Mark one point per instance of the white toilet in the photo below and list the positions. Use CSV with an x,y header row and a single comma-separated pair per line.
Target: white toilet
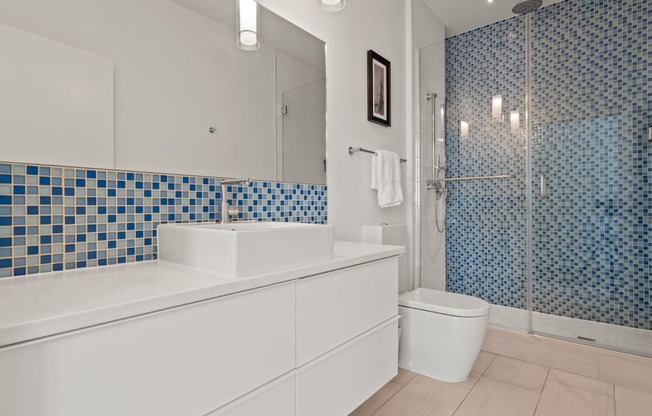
x,y
442,333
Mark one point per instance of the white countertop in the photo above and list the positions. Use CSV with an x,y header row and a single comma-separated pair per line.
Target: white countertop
x,y
46,304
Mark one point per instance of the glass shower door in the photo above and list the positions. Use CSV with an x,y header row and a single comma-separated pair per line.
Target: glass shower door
x,y
430,239
590,173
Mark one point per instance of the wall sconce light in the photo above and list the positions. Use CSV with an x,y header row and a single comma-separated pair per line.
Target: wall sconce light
x,y
247,25
497,107
464,129
515,120
332,5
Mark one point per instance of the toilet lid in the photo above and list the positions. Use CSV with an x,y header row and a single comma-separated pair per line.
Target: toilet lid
x,y
446,303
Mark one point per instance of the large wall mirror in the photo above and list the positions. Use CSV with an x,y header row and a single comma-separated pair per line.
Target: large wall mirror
x,y
160,85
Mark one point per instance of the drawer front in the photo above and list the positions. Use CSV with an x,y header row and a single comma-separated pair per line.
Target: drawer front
x,y
184,361
340,381
275,398
335,307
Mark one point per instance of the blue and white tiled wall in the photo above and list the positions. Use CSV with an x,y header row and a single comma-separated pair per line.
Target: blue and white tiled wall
x,y
58,218
591,104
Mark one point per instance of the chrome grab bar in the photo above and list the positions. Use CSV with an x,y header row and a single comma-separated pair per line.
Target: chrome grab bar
x,y
476,178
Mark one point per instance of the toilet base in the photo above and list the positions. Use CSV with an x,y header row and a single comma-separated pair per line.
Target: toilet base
x,y
440,346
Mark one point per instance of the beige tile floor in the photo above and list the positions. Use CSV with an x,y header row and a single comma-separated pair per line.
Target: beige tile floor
x,y
504,386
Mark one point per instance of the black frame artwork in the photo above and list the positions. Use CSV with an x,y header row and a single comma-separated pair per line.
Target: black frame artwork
x,y
379,92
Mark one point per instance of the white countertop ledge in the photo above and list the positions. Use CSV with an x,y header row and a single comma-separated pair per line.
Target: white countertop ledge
x,y
42,305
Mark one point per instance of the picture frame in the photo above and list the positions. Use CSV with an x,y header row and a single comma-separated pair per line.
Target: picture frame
x,y
379,92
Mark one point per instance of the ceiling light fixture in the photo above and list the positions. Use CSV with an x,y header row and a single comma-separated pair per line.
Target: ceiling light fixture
x,y
247,25
332,5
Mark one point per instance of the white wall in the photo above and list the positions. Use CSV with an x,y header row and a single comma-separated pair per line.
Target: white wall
x,y
364,24
176,73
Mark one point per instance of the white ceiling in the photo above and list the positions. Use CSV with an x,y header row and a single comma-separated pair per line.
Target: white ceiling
x,y
460,16
274,30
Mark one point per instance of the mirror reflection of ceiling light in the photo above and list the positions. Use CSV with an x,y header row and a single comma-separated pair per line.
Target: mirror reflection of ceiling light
x,y
247,25
332,5
464,129
515,120
497,107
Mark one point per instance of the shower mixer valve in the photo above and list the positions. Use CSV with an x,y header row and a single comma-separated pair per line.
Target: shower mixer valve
x,y
437,184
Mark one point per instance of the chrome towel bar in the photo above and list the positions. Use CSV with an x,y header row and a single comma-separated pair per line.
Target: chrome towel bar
x,y
353,150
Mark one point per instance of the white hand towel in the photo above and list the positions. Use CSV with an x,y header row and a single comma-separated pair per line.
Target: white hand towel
x,y
386,178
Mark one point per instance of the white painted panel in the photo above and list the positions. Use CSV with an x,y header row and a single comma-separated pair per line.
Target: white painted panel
x,y
342,380
184,361
40,127
275,398
56,102
45,65
335,307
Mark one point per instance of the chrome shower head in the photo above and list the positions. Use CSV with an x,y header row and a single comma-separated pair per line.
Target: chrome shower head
x,y
526,6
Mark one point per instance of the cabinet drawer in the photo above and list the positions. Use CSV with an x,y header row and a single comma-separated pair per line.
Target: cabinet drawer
x,y
188,360
341,380
335,307
275,398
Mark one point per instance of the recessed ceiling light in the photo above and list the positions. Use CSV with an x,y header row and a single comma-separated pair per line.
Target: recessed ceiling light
x,y
490,1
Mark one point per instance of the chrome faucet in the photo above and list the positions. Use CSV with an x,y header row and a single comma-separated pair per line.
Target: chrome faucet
x,y
226,211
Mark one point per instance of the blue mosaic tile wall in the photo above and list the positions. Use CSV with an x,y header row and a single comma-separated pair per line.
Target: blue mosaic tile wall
x,y
591,104
485,224
59,218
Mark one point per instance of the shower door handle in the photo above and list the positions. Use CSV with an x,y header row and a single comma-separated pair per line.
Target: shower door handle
x,y
542,179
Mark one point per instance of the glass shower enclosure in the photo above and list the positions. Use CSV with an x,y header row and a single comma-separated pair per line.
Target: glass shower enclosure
x,y
558,100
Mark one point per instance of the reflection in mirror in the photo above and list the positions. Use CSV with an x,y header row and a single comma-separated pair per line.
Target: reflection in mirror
x,y
137,85
300,91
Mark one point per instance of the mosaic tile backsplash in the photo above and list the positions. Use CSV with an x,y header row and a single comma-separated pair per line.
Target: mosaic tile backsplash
x,y
591,105
58,218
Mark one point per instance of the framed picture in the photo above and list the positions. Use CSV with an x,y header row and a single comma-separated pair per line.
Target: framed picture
x,y
379,109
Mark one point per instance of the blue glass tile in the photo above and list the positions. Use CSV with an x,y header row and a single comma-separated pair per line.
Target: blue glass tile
x,y
19,190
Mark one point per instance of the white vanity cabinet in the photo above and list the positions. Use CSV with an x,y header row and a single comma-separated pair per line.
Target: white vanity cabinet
x,y
307,346
183,361
333,308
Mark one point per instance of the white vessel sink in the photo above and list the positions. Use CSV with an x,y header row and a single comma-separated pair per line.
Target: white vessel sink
x,y
244,249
